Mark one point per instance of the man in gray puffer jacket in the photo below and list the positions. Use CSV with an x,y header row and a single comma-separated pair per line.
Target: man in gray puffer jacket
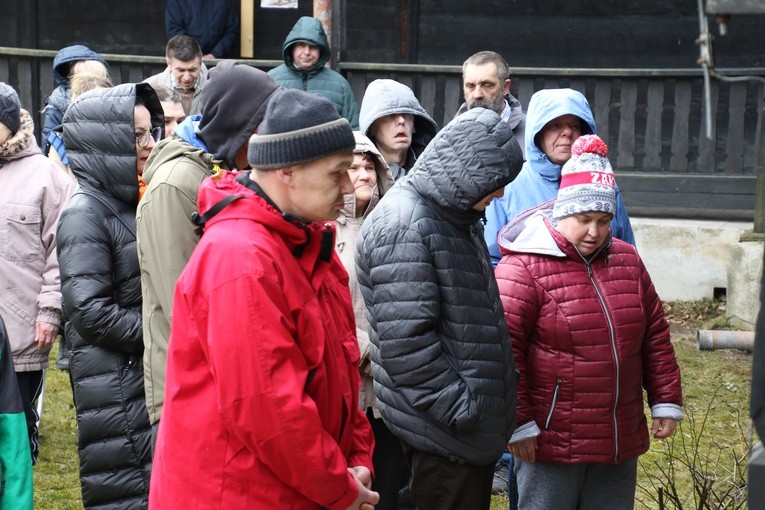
x,y
442,362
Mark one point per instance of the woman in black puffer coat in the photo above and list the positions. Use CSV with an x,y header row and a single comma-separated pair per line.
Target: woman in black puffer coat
x,y
101,289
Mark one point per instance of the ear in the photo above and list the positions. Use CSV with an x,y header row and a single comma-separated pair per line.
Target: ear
x,y
167,61
285,175
507,87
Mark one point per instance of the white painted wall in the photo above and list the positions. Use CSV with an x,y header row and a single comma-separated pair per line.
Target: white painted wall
x,y
687,259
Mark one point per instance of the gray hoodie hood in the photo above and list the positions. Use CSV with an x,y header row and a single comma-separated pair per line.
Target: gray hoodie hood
x,y
234,102
386,97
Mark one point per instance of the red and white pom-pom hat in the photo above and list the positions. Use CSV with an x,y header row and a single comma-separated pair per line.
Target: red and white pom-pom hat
x,y
587,181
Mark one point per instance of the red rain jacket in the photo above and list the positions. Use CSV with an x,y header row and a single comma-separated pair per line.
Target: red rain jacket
x,y
262,380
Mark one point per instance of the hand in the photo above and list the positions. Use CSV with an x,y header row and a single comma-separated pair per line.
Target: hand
x,y
525,449
662,428
45,334
208,56
362,473
366,499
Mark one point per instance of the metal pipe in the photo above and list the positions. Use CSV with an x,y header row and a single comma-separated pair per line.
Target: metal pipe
x,y
711,339
705,60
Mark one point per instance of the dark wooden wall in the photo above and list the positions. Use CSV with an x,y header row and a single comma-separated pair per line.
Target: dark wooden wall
x,y
544,33
548,33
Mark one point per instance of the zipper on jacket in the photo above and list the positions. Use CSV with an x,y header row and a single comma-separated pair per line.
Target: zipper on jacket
x,y
553,403
612,334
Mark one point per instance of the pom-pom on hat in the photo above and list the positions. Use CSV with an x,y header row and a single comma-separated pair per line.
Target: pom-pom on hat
x,y
587,181
298,127
10,108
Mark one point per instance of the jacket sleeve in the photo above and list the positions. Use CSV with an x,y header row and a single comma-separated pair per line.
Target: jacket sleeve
x,y
363,441
49,299
620,225
495,220
261,390
225,46
661,372
405,301
174,23
53,118
87,283
350,107
166,239
521,307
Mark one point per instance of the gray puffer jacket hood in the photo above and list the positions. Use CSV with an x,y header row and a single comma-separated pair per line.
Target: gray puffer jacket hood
x,y
99,134
464,163
441,358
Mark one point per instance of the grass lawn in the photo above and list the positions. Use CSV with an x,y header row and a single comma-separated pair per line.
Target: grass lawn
x,y
56,475
716,387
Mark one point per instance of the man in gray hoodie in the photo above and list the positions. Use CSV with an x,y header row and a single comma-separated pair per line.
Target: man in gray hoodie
x,y
234,103
398,125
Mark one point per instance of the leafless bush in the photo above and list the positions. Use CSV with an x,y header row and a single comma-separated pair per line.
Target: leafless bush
x,y
696,473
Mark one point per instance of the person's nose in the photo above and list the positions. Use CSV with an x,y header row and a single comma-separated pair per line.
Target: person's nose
x,y
365,174
568,130
346,186
151,144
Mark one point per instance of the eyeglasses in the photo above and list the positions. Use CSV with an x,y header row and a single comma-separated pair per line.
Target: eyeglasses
x,y
142,137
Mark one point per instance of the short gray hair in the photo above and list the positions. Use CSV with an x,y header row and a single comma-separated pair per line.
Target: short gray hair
x,y
486,57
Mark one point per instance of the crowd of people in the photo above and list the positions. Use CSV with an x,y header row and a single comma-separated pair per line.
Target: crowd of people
x,y
269,297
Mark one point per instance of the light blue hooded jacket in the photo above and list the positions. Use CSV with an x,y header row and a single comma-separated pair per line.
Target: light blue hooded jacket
x,y
539,178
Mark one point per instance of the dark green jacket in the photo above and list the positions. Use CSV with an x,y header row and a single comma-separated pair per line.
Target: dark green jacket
x,y
319,78
15,458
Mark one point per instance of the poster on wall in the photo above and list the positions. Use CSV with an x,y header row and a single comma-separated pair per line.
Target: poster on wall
x,y
279,4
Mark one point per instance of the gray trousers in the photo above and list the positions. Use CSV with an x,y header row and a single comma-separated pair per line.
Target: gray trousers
x,y
543,486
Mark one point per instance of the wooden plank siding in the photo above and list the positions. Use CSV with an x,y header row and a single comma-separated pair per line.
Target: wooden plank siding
x,y
652,119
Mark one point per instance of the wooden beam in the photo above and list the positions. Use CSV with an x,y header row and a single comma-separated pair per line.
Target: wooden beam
x,y
247,29
322,10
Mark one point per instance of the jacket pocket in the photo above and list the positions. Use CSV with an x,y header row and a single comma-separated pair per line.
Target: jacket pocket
x,y
21,225
553,403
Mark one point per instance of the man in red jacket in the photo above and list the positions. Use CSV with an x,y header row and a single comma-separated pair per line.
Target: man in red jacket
x,y
262,379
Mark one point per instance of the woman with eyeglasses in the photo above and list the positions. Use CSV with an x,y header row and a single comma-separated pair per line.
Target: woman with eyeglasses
x,y
145,139
109,134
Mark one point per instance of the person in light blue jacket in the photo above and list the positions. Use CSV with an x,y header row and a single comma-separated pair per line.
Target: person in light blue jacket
x,y
554,119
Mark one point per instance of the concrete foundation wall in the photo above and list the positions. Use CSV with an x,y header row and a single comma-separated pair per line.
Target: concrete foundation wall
x,y
687,259
744,276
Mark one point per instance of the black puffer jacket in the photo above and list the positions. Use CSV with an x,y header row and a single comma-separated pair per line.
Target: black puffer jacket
x,y
101,289
442,363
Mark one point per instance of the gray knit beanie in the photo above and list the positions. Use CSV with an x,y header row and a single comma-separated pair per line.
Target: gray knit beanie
x,y
298,127
10,108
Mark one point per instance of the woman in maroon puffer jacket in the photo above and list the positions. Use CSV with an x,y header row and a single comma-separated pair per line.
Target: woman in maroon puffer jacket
x,y
589,335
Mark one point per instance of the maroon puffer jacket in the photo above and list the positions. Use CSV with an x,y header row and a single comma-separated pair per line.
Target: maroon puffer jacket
x,y
587,338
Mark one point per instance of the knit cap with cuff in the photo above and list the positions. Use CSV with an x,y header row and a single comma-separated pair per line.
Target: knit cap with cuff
x,y
587,181
10,108
299,127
